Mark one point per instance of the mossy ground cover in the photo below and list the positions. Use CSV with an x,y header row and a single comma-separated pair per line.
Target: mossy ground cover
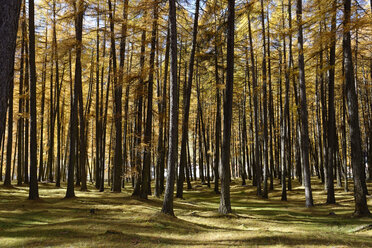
x,y
95,219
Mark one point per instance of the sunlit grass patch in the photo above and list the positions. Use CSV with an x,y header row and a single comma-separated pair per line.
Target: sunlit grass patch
x,y
104,219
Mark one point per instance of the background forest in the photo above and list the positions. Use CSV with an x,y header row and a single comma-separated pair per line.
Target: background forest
x,y
155,98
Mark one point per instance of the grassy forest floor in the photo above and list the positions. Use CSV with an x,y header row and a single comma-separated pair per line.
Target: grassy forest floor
x,y
118,220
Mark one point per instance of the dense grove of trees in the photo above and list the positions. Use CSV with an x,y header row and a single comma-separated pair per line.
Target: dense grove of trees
x,y
204,91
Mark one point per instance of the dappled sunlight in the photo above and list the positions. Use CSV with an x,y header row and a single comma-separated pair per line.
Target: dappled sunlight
x,y
105,219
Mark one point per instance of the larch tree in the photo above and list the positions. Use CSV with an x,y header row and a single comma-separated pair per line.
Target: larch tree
x,y
186,105
303,107
173,113
361,207
146,171
33,192
225,204
118,92
9,15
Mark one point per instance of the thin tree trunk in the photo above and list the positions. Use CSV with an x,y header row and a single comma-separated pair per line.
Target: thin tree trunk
x,y
264,79
118,89
186,106
303,108
173,113
41,159
124,29
20,124
34,191
138,132
146,176
159,183
257,170
7,181
78,86
217,158
98,115
331,111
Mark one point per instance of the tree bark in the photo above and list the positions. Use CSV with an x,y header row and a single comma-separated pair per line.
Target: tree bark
x,y
331,110
225,205
159,183
20,124
257,169
146,176
78,85
265,132
186,106
303,108
34,191
173,113
118,89
9,14
361,208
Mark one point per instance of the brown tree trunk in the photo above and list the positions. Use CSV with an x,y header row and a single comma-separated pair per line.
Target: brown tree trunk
x,y
78,85
173,113
303,108
257,169
225,205
43,79
20,124
361,208
34,191
331,111
265,133
159,183
186,106
9,14
118,91
146,176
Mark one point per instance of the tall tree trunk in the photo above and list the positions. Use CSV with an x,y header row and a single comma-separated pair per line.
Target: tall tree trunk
x,y
78,85
98,115
257,169
283,117
361,208
51,99
173,113
138,132
225,205
159,183
265,133
20,124
118,91
43,79
271,108
124,29
26,146
202,131
9,145
34,191
74,101
104,114
217,157
186,106
9,14
344,144
331,110
303,108
146,176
